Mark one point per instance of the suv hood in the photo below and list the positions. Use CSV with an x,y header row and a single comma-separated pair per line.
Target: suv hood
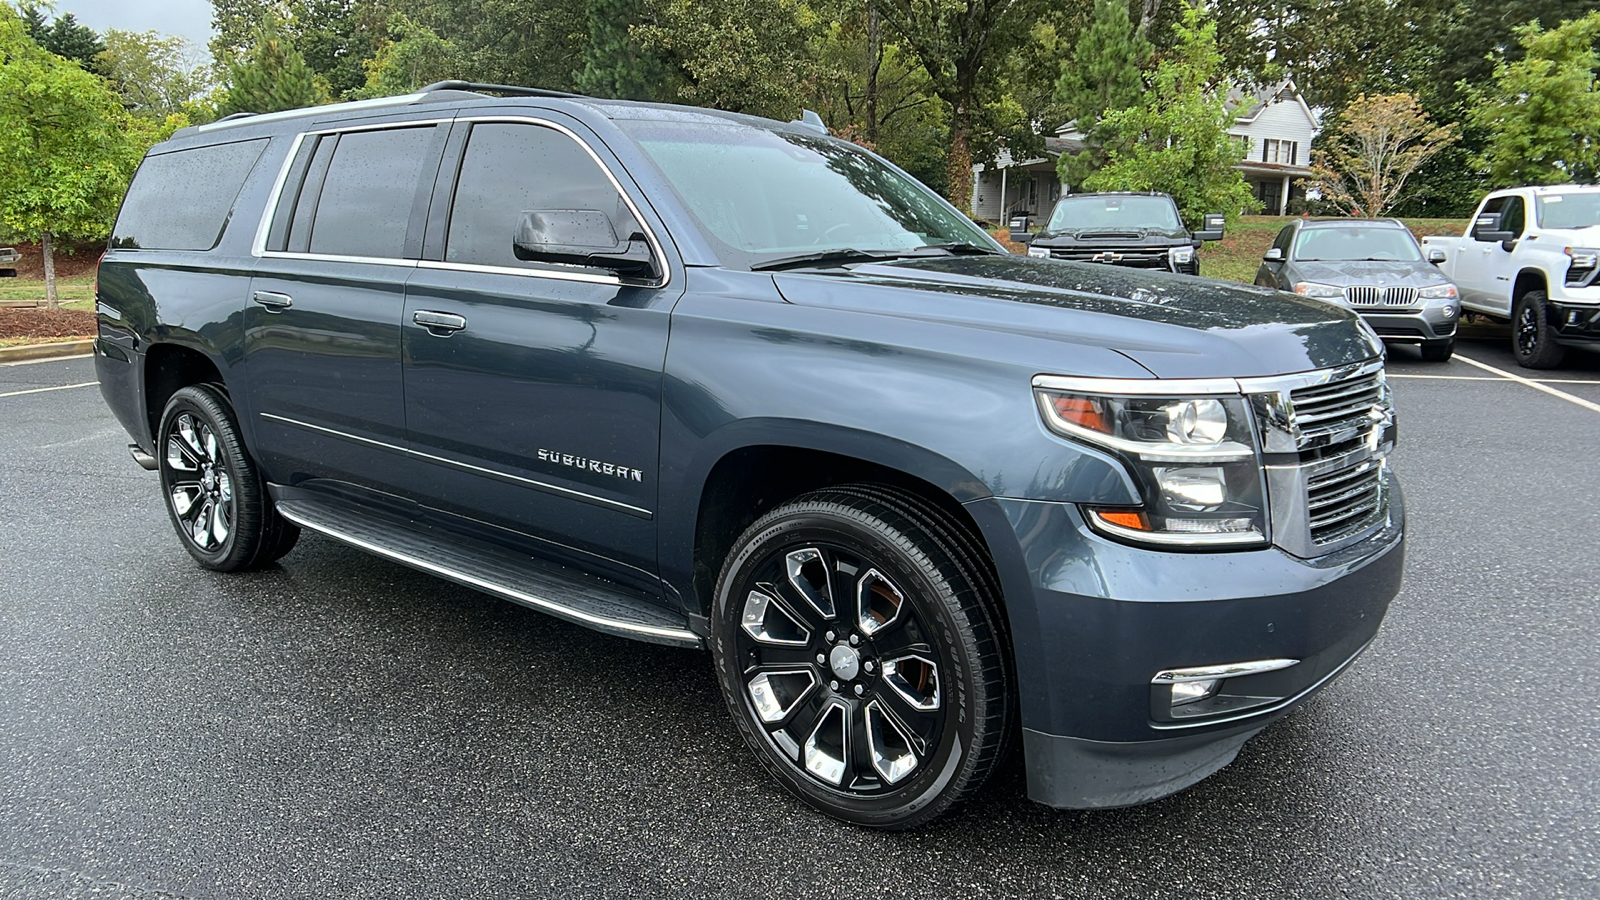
x,y
1386,273
1175,326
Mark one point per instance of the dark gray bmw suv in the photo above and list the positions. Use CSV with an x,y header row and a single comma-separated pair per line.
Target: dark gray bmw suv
x,y
714,381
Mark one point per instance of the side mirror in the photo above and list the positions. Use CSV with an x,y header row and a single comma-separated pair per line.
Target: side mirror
x,y
579,237
1273,255
1435,256
1211,227
1021,237
1487,229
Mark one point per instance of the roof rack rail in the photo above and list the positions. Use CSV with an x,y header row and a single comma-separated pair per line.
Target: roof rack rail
x,y
238,115
482,87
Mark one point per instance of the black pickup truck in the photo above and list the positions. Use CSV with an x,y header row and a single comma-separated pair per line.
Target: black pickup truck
x,y
722,382
1143,231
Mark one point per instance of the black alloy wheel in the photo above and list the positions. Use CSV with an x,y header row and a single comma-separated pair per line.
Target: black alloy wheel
x,y
1532,341
215,497
860,652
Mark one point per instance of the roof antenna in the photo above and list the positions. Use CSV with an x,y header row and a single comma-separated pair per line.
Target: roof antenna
x,y
809,119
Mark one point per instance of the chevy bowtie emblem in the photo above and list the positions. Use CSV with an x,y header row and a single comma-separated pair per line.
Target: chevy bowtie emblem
x,y
1108,257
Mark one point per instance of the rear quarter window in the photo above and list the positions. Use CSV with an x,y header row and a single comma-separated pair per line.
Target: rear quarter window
x,y
182,200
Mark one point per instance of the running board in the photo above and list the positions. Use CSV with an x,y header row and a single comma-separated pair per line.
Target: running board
x,y
560,591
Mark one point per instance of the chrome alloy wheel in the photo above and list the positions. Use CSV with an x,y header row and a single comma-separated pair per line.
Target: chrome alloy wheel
x,y
199,482
839,668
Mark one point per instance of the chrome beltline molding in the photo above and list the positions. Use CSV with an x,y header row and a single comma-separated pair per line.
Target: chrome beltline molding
x,y
567,612
639,511
1266,710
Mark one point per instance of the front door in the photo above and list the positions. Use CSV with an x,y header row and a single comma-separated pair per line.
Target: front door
x,y
535,389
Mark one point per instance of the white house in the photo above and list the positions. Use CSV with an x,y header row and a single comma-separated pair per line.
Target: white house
x,y
1276,124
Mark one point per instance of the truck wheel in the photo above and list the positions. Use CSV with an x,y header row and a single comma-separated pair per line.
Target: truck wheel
x,y
1532,340
861,658
1438,351
215,497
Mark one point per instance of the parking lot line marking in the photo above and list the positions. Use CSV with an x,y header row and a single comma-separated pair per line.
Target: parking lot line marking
x,y
59,387
1533,384
1490,378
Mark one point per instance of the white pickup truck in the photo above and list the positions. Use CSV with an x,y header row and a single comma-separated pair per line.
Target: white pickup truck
x,y
1530,256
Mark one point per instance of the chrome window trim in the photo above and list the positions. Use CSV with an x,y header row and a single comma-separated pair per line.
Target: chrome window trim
x,y
617,505
676,634
259,249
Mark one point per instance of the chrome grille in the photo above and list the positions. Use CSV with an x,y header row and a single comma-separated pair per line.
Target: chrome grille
x,y
1371,295
1327,413
1143,259
1344,501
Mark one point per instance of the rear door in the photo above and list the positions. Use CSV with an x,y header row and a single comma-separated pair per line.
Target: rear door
x,y
1483,269
538,403
322,330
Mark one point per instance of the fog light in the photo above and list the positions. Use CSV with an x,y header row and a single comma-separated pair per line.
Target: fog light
x,y
1193,489
1449,312
1185,692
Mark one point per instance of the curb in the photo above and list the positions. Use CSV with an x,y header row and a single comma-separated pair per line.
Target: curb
x,y
28,352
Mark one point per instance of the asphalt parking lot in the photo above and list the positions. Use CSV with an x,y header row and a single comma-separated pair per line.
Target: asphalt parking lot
x,y
339,726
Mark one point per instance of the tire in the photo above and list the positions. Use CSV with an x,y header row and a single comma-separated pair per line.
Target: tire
x,y
886,717
1532,338
215,496
1438,351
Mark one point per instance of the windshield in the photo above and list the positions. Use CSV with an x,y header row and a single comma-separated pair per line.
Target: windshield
x,y
766,194
1569,210
1100,213
1375,243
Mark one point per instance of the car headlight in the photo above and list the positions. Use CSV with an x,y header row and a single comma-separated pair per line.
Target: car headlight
x,y
1192,454
1038,252
1320,291
1582,258
1181,255
1445,291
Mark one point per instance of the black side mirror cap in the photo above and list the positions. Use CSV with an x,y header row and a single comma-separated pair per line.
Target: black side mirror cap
x,y
1487,228
1021,237
580,237
1211,227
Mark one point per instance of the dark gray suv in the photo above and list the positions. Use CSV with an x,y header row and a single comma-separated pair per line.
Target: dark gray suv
x,y
721,382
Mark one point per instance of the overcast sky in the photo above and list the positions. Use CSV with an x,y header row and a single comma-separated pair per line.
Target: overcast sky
x,y
186,18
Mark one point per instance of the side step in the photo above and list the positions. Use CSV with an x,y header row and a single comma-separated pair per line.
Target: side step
x,y
560,591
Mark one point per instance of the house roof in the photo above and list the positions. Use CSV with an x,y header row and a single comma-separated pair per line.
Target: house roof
x,y
1251,103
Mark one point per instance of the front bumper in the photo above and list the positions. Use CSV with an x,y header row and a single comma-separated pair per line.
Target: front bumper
x,y
1429,324
1093,622
1575,324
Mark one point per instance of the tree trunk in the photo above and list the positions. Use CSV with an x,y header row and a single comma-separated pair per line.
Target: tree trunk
x,y
958,166
51,300
874,62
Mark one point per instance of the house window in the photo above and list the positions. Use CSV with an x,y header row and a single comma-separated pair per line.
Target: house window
x,y
1275,151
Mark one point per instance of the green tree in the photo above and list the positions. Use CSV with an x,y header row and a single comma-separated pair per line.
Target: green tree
x,y
751,56
614,62
1104,73
270,76
1176,139
411,57
960,44
67,147
62,36
1542,112
156,75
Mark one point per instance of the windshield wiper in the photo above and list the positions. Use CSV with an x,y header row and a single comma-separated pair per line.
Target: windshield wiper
x,y
965,248
838,255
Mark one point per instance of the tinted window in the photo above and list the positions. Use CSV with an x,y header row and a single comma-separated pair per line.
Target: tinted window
x,y
1356,243
1569,210
1283,239
181,201
1513,216
366,200
511,168
1114,211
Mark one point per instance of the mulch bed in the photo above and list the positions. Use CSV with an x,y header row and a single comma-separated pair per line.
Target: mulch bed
x,y
46,323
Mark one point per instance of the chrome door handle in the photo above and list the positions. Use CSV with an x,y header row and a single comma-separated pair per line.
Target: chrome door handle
x,y
438,323
273,301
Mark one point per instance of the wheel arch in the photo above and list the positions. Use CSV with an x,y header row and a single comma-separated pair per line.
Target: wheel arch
x,y
170,367
763,465
1529,280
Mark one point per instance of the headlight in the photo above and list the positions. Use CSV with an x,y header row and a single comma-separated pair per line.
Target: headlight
x,y
1320,291
1193,456
1582,258
1038,252
1439,292
1181,255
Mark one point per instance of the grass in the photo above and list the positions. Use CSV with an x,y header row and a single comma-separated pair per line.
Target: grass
x,y
1238,255
75,293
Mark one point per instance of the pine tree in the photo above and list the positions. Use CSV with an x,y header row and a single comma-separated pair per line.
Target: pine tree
x,y
1104,74
614,65
269,77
